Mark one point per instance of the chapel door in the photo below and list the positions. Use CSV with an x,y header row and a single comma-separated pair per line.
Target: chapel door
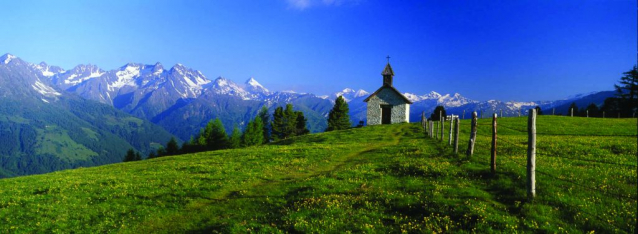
x,y
386,114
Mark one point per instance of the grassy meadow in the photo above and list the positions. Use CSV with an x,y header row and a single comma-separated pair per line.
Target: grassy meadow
x,y
389,178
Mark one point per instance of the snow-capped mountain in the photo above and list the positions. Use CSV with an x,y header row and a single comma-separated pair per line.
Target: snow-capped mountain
x,y
47,70
24,80
225,86
457,104
33,109
445,100
182,96
350,94
251,85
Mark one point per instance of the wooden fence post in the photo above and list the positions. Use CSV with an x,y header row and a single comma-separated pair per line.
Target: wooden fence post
x,y
531,154
431,129
442,124
470,146
587,113
426,126
463,117
553,109
501,113
456,135
451,128
422,124
572,111
493,157
603,114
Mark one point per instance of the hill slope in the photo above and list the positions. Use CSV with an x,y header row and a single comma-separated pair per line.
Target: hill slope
x,y
372,179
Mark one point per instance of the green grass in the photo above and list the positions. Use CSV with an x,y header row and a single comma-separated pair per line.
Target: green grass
x,y
373,179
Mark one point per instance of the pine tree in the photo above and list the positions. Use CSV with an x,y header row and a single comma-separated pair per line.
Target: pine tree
x,y
216,137
339,118
235,138
253,135
572,107
277,124
151,155
627,92
138,156
290,122
435,114
161,152
593,110
265,119
204,133
301,128
611,107
171,147
130,156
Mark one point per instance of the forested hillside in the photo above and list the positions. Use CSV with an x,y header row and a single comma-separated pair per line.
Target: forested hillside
x,y
40,137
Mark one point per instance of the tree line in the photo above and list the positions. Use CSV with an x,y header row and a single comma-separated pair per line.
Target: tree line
x,y
285,123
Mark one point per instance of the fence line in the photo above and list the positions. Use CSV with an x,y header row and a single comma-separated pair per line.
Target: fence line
x,y
510,148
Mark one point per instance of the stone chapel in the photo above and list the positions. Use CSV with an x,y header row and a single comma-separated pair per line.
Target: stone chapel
x,y
387,105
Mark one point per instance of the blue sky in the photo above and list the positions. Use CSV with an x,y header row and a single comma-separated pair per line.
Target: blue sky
x,y
507,50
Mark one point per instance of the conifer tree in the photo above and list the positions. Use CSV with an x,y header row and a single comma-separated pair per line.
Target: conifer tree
x,y
627,92
277,124
151,155
437,111
574,108
593,110
171,147
301,128
216,137
235,138
338,118
265,119
138,156
253,135
290,122
130,156
161,152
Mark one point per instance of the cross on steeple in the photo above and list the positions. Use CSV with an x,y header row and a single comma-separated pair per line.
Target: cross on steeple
x,y
388,58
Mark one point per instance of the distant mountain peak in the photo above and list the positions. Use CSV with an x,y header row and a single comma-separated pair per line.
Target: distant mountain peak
x,y
253,86
6,58
158,69
349,94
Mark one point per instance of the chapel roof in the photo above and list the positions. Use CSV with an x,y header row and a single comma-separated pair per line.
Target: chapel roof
x,y
391,88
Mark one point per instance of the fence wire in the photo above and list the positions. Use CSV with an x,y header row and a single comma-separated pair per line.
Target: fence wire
x,y
508,159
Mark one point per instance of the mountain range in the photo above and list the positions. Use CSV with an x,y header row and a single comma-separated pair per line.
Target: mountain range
x,y
144,105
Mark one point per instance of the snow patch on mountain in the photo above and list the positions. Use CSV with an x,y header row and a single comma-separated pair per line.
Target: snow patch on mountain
x,y
225,86
517,105
44,89
125,77
350,94
7,58
251,85
72,81
46,70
